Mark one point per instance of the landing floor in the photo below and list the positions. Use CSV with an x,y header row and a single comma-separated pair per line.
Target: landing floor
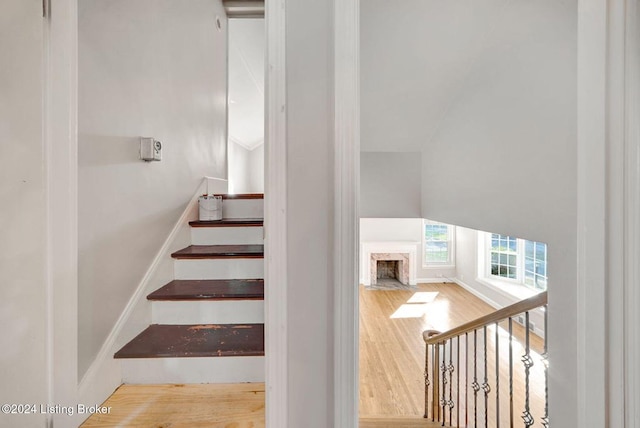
x,y
391,368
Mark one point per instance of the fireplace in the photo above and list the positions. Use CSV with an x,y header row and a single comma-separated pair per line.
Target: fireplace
x,y
390,266
403,253
388,269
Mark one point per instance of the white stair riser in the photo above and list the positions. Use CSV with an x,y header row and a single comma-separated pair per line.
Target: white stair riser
x,y
219,269
243,208
193,370
208,312
226,235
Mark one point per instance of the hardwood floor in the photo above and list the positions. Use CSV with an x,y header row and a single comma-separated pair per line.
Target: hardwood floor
x,y
391,345
203,405
392,353
391,371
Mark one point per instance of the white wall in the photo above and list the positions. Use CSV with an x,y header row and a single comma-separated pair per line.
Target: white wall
x,y
23,216
239,169
507,148
154,68
390,184
499,153
402,229
256,168
246,169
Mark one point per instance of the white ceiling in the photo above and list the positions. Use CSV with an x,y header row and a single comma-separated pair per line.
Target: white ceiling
x,y
246,82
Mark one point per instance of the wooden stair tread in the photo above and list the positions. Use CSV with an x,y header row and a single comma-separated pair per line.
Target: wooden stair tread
x,y
396,422
213,289
228,222
242,196
220,252
203,340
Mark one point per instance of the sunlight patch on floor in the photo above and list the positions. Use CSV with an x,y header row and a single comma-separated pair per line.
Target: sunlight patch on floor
x,y
416,306
423,297
412,310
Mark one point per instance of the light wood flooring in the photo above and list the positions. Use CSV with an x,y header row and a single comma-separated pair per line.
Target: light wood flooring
x,y
203,405
391,370
392,354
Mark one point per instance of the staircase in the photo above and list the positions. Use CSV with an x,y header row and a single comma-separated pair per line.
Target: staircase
x,y
208,323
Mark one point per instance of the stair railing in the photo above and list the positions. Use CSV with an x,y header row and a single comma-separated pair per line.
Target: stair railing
x,y
466,382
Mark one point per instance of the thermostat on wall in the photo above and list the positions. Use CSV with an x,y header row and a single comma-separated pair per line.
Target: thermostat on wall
x,y
150,149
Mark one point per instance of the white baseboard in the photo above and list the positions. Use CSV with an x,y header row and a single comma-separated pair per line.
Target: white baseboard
x,y
538,312
433,280
476,293
104,374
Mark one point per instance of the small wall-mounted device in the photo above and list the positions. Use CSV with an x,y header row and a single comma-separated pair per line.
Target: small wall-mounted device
x,y
150,149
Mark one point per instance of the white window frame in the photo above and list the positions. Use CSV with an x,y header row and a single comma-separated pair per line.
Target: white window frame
x,y
484,263
519,261
451,261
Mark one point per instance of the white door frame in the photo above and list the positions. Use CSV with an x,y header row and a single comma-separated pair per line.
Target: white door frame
x,y
61,163
346,214
608,233
275,218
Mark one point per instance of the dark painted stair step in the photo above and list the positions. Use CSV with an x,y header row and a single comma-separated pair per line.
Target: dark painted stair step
x,y
228,222
211,289
203,340
242,196
220,252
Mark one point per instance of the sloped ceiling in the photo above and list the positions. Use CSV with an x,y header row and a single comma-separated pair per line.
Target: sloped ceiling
x,y
246,82
418,55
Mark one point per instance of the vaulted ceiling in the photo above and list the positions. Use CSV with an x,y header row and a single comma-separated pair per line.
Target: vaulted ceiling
x,y
246,82
422,59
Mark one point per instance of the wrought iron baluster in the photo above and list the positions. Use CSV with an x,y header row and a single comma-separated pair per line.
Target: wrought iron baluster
x,y
497,377
510,372
475,385
450,368
427,381
466,379
485,384
527,417
435,409
443,367
458,385
545,361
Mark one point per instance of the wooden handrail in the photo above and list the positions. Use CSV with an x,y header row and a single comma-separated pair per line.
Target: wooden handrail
x,y
431,337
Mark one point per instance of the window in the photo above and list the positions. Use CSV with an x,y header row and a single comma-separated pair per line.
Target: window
x,y
438,243
518,260
504,256
535,265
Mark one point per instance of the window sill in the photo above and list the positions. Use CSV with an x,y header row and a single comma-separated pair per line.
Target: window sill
x,y
436,266
518,291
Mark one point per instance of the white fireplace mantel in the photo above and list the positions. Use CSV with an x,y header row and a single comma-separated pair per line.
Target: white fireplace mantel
x,y
370,247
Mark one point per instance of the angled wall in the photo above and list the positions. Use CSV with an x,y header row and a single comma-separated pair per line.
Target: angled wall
x,y
487,92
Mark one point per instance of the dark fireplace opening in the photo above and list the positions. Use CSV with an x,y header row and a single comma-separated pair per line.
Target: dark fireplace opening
x,y
388,269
